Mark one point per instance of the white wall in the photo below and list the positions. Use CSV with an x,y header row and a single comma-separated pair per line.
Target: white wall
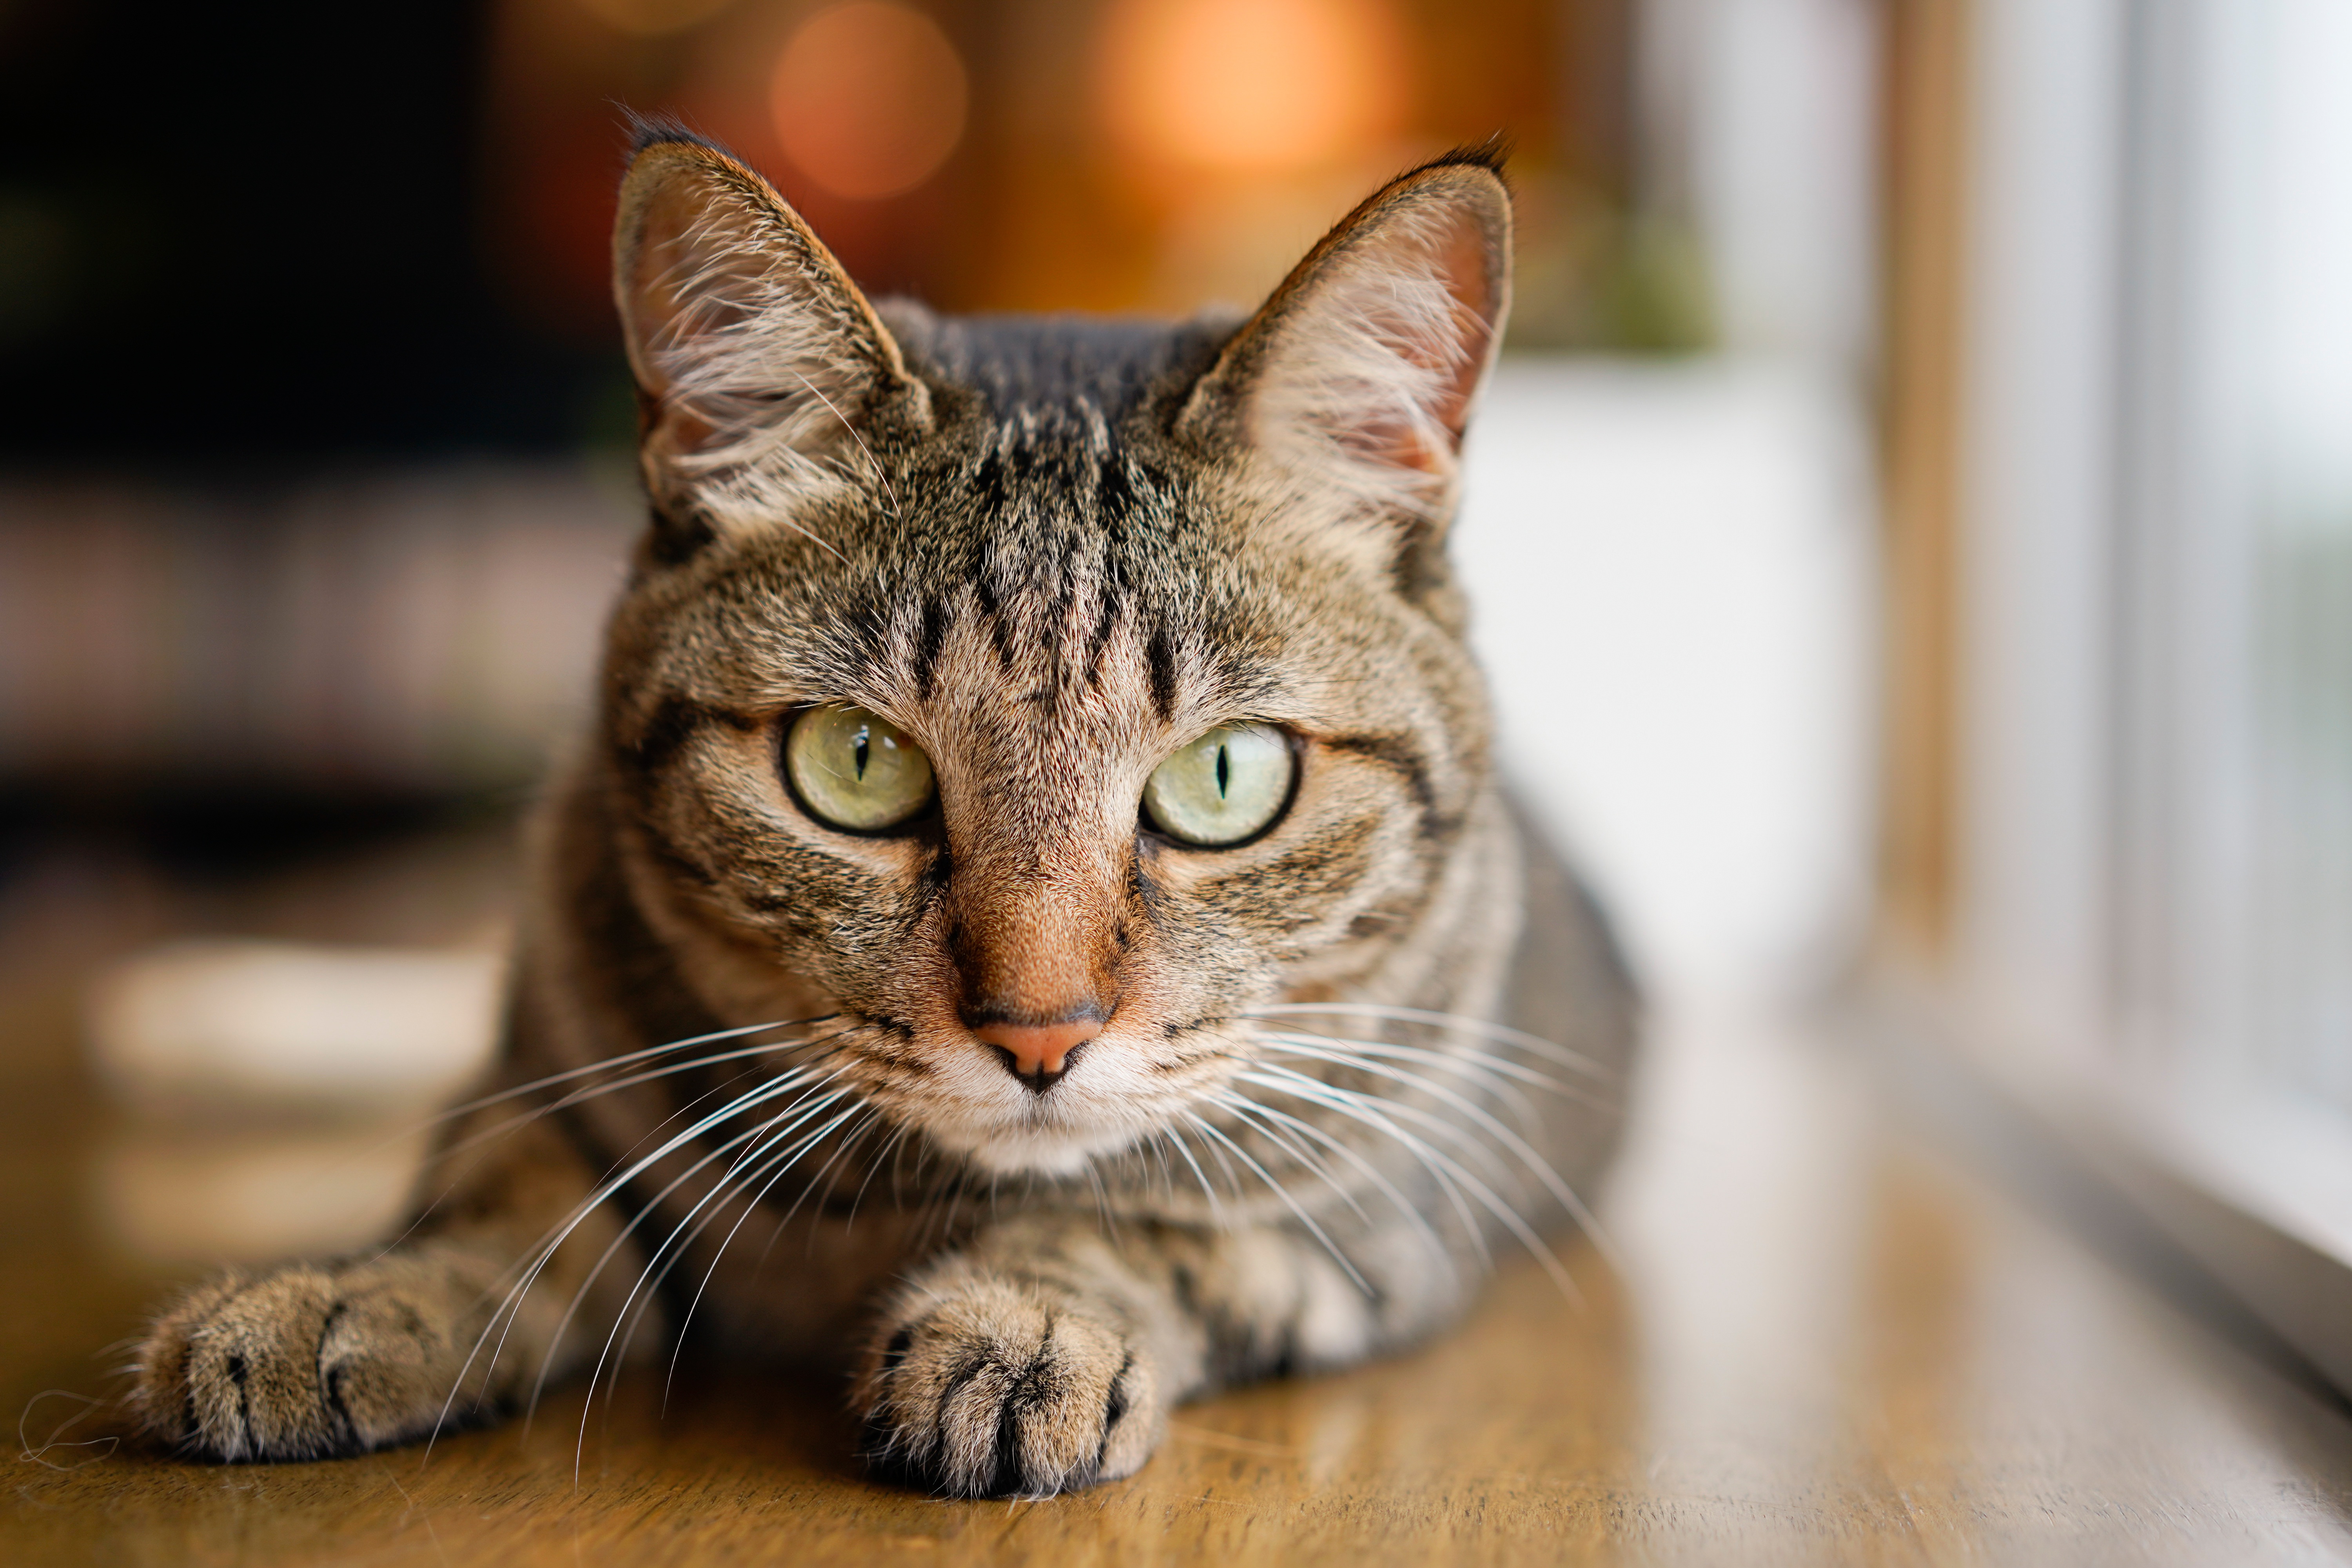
x,y
1671,572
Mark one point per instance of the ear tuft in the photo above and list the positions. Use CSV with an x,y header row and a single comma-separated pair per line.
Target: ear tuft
x,y
1360,373
754,353
649,130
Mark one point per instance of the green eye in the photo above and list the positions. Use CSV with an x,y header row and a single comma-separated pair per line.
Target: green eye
x,y
1224,787
853,770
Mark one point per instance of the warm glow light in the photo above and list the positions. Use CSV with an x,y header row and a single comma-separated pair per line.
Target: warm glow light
x,y
868,99
1252,86
651,18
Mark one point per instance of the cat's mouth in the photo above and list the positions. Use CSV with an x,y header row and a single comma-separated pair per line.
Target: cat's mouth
x,y
1107,1100
1041,1151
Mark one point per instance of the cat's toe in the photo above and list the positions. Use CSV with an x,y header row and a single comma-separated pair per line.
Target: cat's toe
x,y
996,1393
232,1372
294,1364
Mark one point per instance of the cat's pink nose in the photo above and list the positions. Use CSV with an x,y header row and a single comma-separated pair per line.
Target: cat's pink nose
x,y
1039,1054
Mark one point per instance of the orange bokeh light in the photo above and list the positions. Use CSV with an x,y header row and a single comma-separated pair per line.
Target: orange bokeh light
x,y
868,99
1252,86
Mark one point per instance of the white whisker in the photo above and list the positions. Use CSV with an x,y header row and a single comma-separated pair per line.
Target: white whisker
x,y
1216,1209
1249,1112
1372,1172
623,1060
781,1126
1535,1162
681,1238
773,1127
542,1254
578,1096
1469,1063
1284,1192
874,462
1439,1169
1502,1034
1374,1111
591,1091
887,1154
1325,1048
1498,1166
579,1296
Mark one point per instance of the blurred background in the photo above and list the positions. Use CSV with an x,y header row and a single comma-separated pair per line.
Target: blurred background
x,y
1911,531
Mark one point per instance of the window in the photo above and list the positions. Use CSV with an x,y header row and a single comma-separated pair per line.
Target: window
x,y
2157,905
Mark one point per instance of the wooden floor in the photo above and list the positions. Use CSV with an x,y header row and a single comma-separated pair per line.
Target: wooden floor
x,y
1828,1343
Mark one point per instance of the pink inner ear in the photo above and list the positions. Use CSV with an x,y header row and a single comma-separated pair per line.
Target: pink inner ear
x,y
1461,259
1448,347
675,246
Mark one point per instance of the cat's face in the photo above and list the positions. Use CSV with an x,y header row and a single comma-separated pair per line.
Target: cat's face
x,y
1040,697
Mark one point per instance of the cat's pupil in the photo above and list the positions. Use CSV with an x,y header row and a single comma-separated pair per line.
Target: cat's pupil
x,y
1224,770
864,750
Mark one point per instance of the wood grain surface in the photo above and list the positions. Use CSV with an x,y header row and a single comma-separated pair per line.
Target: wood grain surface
x,y
1827,1344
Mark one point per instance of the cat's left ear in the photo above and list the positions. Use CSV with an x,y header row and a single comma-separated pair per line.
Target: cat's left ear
x,y
753,352
1358,375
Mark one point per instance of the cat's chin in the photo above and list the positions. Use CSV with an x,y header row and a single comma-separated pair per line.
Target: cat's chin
x,y
1031,1152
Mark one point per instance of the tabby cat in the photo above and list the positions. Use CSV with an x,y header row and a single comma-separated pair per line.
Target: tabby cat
x,y
1033,921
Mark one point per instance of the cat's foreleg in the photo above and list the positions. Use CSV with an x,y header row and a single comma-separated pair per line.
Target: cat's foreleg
x,y
313,1360
1046,1354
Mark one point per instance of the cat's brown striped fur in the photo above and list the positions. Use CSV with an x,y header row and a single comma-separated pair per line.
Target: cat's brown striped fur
x,y
1052,551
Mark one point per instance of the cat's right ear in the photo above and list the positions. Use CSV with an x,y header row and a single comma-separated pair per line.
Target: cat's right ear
x,y
756,357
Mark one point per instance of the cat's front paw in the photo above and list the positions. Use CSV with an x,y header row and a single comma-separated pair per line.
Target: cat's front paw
x,y
302,1362
998,1389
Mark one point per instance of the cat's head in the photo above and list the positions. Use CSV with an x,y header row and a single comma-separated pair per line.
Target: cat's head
x,y
1042,694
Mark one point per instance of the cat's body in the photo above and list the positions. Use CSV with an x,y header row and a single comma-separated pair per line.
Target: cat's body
x,y
1040,1161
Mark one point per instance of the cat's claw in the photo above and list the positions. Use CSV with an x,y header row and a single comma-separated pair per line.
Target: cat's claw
x,y
999,1390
